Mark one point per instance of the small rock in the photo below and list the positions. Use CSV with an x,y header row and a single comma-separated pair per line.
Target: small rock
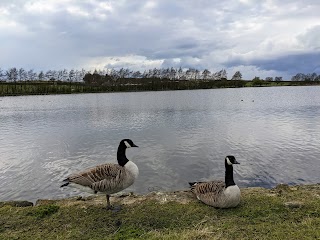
x,y
294,204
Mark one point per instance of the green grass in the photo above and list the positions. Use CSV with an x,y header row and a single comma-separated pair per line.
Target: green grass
x,y
43,211
262,214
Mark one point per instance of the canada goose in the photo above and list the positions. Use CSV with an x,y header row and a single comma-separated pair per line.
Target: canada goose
x,y
219,194
109,178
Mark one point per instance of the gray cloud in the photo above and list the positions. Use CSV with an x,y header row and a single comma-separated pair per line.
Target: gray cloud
x,y
202,34
291,63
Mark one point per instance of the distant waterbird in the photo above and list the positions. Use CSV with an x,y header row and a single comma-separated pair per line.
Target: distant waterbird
x,y
107,178
219,194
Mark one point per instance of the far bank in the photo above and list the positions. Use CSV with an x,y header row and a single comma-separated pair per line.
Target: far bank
x,y
133,85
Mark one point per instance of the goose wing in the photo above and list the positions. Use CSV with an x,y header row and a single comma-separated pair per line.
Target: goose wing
x,y
208,192
107,172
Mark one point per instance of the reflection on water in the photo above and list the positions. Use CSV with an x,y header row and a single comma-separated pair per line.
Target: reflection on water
x,y
183,136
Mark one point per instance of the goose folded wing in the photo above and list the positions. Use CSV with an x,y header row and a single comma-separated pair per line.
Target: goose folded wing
x,y
209,187
96,174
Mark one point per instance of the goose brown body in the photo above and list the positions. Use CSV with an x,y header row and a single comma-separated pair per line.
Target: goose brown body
x,y
218,193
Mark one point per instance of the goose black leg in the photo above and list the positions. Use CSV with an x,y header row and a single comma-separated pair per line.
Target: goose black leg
x,y
112,208
108,202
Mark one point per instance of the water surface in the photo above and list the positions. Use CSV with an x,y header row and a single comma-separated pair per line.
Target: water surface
x,y
183,136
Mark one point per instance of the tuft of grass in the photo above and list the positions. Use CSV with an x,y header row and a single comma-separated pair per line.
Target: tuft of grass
x,y
43,211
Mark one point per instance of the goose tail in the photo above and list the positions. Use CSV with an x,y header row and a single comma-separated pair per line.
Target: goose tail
x,y
193,183
66,183
193,186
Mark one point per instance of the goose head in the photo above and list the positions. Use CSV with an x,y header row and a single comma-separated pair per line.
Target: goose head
x,y
127,143
230,160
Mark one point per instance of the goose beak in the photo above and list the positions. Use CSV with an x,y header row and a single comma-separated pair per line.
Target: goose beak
x,y
235,162
134,145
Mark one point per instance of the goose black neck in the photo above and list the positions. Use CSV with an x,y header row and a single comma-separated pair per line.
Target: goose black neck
x,y
121,155
229,176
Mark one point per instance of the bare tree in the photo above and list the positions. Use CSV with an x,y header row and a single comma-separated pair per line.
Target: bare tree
x,y
12,74
172,73
55,74
206,74
41,76
81,75
156,73
59,75
72,75
192,73
313,76
114,75
298,77
222,74
49,75
124,72
237,76
1,75
22,74
136,74
180,74
65,75
31,75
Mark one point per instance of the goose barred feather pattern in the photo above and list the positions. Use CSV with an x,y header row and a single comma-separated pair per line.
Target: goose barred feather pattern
x,y
103,178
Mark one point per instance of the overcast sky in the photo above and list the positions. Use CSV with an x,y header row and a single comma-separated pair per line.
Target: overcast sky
x,y
258,38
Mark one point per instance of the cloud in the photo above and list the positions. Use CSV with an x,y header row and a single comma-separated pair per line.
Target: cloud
x,y
311,39
249,35
301,55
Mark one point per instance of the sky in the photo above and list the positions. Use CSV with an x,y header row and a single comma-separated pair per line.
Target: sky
x,y
258,38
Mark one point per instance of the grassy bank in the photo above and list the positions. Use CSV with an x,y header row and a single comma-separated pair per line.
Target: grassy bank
x,y
281,213
127,85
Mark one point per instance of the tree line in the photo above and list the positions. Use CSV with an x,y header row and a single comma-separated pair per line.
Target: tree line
x,y
14,74
108,75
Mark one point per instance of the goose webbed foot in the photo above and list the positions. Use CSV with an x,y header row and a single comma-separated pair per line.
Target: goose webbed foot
x,y
114,208
110,207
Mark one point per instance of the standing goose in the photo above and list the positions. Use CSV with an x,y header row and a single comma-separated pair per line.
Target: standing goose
x,y
219,194
108,178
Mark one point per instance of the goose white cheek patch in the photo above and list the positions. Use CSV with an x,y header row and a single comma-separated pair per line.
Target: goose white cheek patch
x,y
127,144
228,161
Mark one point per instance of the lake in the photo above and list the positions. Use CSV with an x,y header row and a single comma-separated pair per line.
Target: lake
x,y
182,136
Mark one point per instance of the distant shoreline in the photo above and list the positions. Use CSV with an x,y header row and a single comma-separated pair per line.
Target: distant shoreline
x,y
130,85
